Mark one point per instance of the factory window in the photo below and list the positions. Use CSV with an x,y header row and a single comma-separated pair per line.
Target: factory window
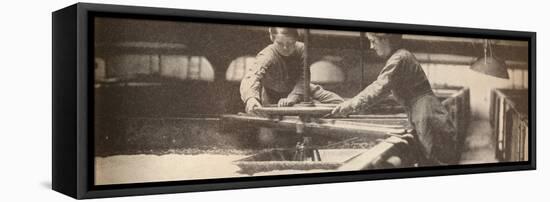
x,y
99,69
238,68
181,67
186,67
324,71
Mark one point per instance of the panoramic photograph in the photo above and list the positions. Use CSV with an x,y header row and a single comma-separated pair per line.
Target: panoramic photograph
x,y
177,101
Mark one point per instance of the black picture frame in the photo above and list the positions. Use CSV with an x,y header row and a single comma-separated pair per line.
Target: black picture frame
x,y
72,59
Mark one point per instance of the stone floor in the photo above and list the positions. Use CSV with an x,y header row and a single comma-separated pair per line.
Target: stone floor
x,y
479,146
161,168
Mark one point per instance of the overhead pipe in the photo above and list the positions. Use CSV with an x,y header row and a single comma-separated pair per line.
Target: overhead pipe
x,y
457,59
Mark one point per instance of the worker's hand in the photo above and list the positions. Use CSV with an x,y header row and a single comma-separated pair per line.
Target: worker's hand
x,y
285,102
346,107
251,104
289,101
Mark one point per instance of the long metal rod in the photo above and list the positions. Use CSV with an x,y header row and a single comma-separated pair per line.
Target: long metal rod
x,y
361,58
306,72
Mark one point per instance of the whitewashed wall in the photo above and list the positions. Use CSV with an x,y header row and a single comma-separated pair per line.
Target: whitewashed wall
x,y
480,84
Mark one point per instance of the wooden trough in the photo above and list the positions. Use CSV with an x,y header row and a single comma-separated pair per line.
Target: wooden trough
x,y
382,131
333,159
320,158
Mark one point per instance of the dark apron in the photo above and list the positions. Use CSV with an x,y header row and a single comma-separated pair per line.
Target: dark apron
x,y
435,130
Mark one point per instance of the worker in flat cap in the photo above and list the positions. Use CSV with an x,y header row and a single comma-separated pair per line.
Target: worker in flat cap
x,y
276,76
402,76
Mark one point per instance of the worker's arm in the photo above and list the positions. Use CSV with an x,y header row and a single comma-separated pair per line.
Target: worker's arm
x,y
251,83
373,93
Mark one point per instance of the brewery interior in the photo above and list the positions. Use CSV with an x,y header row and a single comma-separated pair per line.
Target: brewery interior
x,y
162,88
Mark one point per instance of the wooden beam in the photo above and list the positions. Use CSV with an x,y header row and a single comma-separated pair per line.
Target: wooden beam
x,y
457,59
331,127
366,159
464,40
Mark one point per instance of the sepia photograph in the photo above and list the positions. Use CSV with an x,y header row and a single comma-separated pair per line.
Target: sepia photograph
x,y
181,101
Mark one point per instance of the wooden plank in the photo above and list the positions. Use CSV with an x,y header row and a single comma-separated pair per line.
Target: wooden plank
x,y
366,159
326,127
294,111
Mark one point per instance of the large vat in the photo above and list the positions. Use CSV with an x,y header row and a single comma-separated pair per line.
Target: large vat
x,y
151,133
372,128
510,122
